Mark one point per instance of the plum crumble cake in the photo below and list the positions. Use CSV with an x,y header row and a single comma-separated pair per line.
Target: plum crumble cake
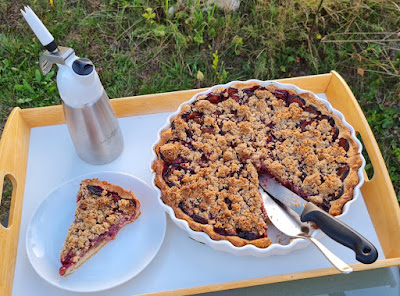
x,y
209,159
102,210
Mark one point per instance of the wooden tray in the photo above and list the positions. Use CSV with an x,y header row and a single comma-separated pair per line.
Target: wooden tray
x,y
378,192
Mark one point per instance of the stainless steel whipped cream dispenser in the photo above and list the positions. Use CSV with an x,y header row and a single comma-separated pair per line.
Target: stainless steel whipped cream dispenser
x,y
92,124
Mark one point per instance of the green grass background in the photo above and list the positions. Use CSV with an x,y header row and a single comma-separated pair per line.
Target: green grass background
x,y
142,47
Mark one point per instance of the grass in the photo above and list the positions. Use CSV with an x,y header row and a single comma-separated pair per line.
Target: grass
x,y
144,46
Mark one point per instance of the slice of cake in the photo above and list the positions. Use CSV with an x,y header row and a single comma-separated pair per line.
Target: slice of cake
x,y
102,209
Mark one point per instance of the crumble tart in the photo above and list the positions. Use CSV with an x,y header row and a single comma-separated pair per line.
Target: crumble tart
x,y
102,210
209,158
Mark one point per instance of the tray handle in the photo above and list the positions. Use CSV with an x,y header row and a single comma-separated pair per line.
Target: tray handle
x,y
378,192
14,145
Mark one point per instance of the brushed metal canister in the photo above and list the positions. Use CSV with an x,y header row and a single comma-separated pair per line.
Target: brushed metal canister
x,y
91,121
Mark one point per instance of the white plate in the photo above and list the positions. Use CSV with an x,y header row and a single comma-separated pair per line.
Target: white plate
x,y
118,261
280,243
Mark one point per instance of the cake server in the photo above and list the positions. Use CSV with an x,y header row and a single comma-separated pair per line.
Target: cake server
x,y
291,225
365,251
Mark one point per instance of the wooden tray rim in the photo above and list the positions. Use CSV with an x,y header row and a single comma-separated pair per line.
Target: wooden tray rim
x,y
17,131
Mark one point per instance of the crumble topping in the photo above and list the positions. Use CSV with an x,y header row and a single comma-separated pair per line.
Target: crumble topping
x,y
210,158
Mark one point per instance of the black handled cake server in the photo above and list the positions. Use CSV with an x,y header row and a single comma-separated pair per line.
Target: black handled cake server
x,y
288,222
365,251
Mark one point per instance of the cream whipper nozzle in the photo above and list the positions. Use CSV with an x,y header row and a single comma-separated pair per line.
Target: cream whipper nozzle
x,y
39,29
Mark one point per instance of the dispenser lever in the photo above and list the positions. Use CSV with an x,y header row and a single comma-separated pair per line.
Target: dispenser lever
x,y
47,59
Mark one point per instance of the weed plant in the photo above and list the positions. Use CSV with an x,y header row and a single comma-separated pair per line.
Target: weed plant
x,y
143,46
